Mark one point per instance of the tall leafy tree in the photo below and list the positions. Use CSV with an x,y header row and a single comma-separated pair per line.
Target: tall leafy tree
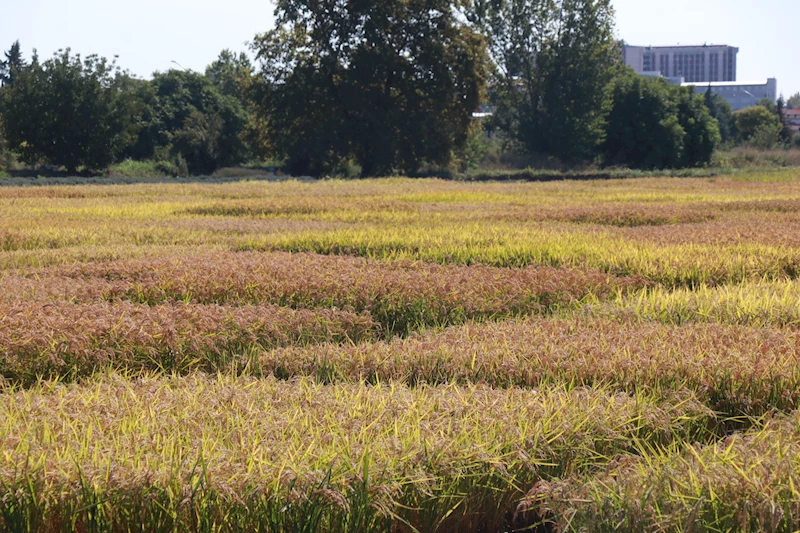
x,y
701,129
230,72
758,126
794,101
187,118
68,111
389,84
651,124
554,59
13,64
786,131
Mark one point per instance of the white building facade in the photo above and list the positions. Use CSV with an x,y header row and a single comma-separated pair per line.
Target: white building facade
x,y
741,95
695,64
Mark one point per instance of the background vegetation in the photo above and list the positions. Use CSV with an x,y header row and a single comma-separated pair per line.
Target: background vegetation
x,y
371,90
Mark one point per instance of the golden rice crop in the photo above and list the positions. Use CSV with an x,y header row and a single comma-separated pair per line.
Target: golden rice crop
x,y
758,304
221,453
746,482
65,340
663,229
736,370
650,320
400,296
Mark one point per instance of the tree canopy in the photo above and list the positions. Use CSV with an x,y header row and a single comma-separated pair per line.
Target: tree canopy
x,y
554,59
187,118
759,126
389,84
68,111
651,124
12,65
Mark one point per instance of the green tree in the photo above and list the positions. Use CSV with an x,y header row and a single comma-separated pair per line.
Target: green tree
x,y
651,124
13,64
758,126
701,129
786,133
388,84
67,111
721,110
188,119
768,104
642,129
794,101
229,73
554,59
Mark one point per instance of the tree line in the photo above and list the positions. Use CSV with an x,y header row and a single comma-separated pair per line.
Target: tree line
x,y
387,85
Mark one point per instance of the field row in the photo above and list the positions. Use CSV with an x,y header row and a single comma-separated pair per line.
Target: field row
x,y
399,296
735,370
680,232
239,454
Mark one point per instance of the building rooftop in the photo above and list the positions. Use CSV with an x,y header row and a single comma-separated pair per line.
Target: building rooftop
x,y
704,45
726,83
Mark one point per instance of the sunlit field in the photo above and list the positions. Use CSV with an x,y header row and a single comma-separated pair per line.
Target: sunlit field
x,y
401,355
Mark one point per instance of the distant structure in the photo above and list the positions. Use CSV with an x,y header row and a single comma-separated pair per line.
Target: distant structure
x,y
792,119
741,95
708,65
695,64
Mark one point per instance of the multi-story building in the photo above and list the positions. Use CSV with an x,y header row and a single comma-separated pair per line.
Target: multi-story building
x,y
792,117
696,64
741,95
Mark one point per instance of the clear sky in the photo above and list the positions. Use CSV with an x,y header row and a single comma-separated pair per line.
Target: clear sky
x,y
149,34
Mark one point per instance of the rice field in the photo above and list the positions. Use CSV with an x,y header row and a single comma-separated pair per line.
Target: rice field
x,y
401,355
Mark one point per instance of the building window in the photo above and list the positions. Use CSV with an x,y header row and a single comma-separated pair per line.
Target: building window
x,y
649,62
713,67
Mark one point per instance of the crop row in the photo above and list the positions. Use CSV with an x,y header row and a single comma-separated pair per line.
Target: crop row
x,y
399,296
237,454
64,340
757,304
746,482
735,370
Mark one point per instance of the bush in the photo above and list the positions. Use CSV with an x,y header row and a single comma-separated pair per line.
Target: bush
x,y
758,126
144,169
766,136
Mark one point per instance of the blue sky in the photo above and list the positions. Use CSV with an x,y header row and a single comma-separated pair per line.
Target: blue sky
x,y
149,34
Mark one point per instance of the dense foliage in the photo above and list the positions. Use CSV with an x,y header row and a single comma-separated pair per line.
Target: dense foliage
x,y
651,124
758,126
553,61
189,119
389,85
68,111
